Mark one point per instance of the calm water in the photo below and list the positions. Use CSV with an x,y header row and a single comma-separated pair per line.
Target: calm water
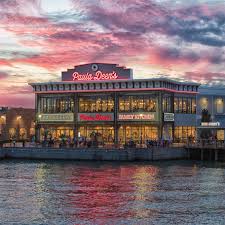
x,y
58,192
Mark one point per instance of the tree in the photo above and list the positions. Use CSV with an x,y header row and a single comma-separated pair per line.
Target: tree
x,y
206,118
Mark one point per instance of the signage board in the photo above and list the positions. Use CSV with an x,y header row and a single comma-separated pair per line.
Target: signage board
x,y
95,117
210,124
57,117
169,117
97,72
137,117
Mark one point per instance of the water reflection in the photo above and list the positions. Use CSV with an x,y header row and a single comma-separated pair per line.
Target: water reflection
x,y
55,192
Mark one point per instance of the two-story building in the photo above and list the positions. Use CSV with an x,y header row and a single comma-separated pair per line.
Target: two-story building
x,y
104,99
212,99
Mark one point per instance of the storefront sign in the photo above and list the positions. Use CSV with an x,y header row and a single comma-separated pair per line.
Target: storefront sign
x,y
168,117
97,72
59,117
95,117
137,116
99,75
210,124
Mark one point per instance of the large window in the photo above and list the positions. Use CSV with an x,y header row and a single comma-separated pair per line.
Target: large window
x,y
185,105
219,105
56,104
96,104
184,133
137,104
167,104
139,134
101,134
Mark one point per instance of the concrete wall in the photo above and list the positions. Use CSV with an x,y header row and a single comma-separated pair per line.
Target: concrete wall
x,y
94,154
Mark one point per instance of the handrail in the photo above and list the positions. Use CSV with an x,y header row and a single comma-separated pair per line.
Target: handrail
x,y
206,143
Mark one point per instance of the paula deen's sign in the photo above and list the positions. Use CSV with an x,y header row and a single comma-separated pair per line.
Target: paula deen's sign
x,y
58,117
95,117
97,72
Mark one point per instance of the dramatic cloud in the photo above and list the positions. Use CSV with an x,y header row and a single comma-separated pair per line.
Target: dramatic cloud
x,y
3,75
178,39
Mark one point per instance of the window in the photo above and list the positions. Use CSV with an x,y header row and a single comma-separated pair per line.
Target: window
x,y
96,104
204,103
56,104
219,105
185,105
137,104
167,104
183,133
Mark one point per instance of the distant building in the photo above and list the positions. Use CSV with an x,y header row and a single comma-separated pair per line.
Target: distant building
x,y
17,123
212,99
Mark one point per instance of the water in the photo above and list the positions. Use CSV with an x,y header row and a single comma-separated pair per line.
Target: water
x,y
59,192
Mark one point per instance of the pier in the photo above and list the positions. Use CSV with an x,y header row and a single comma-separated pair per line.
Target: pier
x,y
206,150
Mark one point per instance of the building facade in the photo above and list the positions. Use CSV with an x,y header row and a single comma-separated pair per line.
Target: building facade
x,y
104,99
212,99
16,123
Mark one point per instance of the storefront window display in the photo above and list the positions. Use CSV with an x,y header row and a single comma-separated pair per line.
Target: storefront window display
x,y
102,134
56,104
137,104
96,104
185,105
56,133
139,134
220,135
184,133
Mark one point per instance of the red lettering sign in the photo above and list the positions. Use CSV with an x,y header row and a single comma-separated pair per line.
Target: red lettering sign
x,y
99,75
95,117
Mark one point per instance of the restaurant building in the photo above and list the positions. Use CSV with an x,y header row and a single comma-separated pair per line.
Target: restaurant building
x,y
104,99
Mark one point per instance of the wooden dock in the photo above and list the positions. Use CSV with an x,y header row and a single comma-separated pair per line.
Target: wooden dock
x,y
213,151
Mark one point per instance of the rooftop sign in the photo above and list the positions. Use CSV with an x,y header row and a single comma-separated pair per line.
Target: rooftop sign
x,y
97,72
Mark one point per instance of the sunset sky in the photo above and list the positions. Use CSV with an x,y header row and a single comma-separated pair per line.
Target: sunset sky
x,y
181,39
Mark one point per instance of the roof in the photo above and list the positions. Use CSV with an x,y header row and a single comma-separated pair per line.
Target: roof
x,y
120,80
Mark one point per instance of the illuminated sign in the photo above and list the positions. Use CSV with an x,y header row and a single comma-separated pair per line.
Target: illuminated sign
x,y
139,116
97,72
59,117
210,124
168,117
99,75
95,117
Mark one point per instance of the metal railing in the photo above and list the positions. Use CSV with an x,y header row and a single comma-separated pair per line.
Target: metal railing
x,y
206,144
58,145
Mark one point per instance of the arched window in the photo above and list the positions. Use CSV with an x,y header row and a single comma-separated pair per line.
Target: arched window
x,y
204,103
219,105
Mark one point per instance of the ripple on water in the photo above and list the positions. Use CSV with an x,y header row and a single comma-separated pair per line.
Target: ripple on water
x,y
56,192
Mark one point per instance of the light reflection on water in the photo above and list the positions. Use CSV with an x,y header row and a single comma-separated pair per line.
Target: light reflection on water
x,y
59,192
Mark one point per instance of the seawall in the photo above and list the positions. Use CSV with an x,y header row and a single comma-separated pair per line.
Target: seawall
x,y
152,154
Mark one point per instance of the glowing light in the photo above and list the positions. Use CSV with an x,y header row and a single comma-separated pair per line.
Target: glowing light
x,y
99,75
95,117
18,117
